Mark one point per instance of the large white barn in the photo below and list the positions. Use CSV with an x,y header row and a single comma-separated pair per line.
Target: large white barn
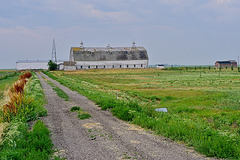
x,y
31,64
107,57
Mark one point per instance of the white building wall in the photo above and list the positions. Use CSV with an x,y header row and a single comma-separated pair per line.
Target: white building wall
x,y
31,65
68,68
112,64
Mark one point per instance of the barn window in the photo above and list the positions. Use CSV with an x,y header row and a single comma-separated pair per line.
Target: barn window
x,y
96,66
88,66
127,66
134,65
120,66
113,66
81,67
141,65
104,66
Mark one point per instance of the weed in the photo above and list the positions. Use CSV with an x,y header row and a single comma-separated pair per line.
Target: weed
x,y
74,109
84,116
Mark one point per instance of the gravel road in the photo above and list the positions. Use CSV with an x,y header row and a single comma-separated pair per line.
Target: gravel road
x,y
103,137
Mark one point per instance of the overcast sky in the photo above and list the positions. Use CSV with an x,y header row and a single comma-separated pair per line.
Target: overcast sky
x,y
186,32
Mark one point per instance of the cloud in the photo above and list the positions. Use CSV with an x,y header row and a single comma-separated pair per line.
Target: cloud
x,y
223,1
223,11
78,10
18,30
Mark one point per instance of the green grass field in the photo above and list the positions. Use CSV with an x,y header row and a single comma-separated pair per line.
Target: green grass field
x,y
206,101
5,83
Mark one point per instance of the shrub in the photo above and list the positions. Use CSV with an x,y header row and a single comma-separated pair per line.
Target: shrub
x,y
52,66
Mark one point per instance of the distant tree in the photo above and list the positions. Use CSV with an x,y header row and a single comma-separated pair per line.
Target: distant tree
x,y
220,68
238,69
232,67
52,66
209,67
226,67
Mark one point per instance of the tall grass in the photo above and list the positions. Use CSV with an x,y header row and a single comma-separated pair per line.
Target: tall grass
x,y
183,123
15,97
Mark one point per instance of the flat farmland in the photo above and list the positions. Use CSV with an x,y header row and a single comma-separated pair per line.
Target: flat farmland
x,y
5,71
5,83
205,101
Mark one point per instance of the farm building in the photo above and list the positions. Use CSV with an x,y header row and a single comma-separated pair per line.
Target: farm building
x,y
34,64
224,64
107,57
31,64
160,66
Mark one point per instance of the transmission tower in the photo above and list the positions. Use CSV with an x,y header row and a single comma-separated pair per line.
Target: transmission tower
x,y
54,52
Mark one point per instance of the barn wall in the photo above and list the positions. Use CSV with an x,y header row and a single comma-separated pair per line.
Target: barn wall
x,y
112,64
31,65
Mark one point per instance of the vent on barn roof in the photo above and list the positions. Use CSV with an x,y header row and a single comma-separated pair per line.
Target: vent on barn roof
x,y
81,44
133,45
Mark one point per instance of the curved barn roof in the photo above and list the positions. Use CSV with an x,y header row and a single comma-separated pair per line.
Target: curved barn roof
x,y
108,53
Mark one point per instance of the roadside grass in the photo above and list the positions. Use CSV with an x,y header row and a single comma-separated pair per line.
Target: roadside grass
x,y
20,143
203,111
59,91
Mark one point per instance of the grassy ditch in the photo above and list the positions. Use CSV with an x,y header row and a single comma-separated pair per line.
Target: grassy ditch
x,y
203,112
59,91
24,103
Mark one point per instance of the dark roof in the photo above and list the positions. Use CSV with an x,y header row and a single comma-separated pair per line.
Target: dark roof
x,y
31,61
226,62
109,53
69,63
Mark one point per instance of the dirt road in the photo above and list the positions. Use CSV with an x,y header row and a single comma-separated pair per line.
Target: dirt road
x,y
102,136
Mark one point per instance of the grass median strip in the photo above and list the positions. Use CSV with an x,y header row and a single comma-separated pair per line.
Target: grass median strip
x,y
59,91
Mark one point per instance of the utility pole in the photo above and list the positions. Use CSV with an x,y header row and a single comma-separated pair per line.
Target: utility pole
x,y
54,52
238,62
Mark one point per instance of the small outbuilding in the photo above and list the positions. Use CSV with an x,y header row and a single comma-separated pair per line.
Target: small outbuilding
x,y
224,64
68,65
160,66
